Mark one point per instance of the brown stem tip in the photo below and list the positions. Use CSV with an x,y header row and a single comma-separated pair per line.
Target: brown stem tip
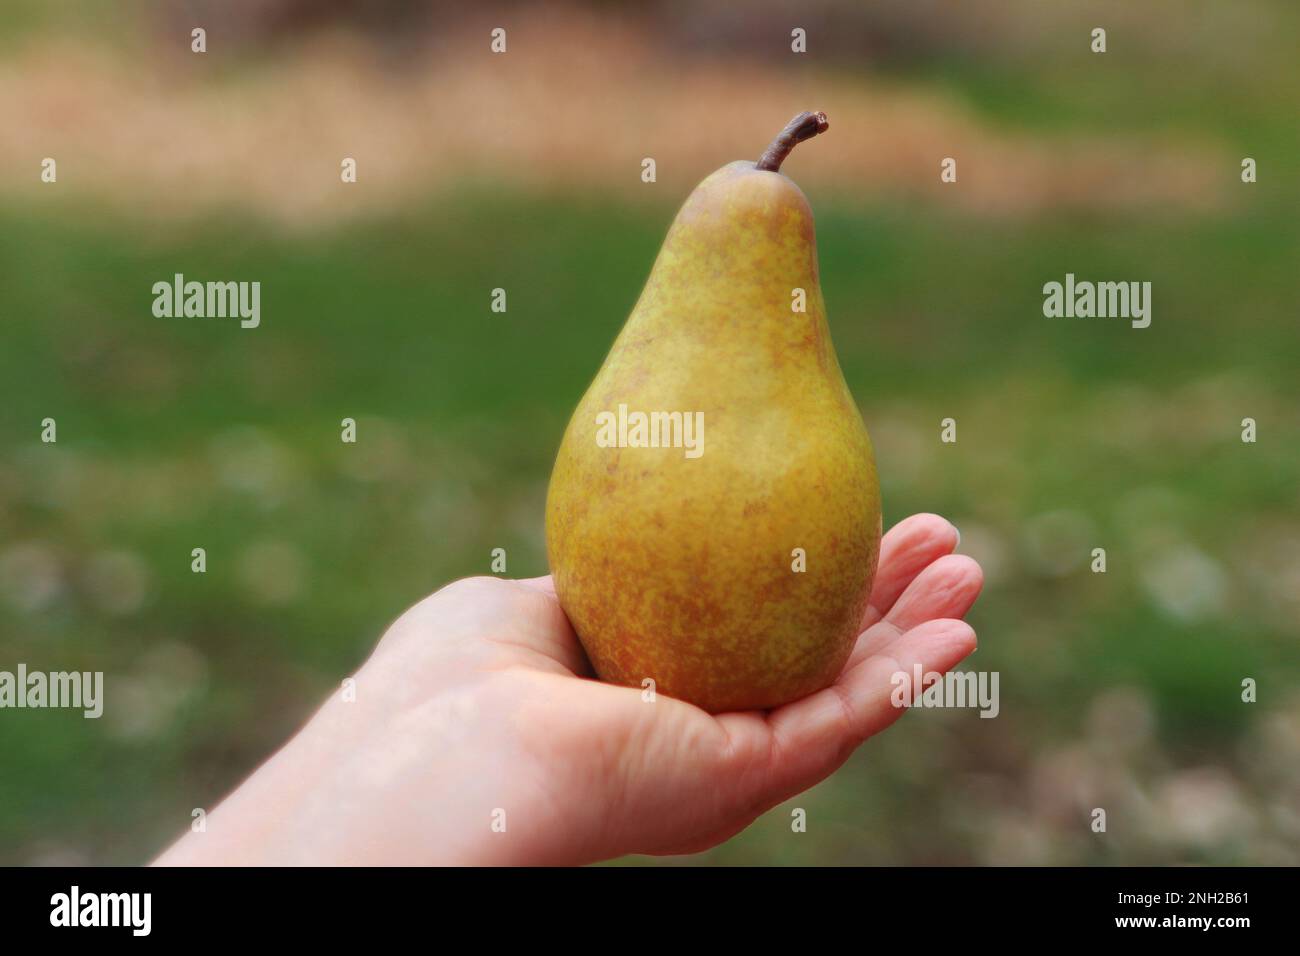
x,y
802,127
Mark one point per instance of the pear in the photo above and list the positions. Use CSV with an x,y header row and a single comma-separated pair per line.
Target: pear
x,y
713,518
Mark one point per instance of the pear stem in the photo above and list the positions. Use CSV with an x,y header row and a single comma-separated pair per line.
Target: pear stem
x,y
802,127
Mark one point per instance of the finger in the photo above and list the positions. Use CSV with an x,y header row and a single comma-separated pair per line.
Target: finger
x,y
813,736
545,584
946,588
905,551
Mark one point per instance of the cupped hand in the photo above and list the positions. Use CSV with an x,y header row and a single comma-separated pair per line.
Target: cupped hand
x,y
477,734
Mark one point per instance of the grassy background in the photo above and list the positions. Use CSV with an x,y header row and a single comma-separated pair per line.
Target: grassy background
x,y
1119,690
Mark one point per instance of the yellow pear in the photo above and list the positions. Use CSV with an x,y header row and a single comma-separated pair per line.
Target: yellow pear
x,y
713,519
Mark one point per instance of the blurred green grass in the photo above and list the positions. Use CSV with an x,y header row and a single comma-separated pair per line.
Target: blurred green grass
x,y
1120,690
460,410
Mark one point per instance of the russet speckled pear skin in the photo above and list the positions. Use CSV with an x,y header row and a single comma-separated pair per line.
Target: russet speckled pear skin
x,y
680,569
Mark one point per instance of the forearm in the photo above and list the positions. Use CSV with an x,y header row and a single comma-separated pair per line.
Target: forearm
x,y
439,782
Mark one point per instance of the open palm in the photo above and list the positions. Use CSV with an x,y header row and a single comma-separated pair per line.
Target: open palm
x,y
476,734
663,776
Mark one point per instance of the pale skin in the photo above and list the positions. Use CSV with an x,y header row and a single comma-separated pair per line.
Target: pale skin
x,y
478,736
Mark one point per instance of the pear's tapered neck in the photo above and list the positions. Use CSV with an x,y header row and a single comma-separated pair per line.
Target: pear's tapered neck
x,y
802,127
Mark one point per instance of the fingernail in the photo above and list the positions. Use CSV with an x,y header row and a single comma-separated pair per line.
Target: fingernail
x,y
958,530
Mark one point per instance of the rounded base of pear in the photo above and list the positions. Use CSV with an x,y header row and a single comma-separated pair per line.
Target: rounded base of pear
x,y
716,696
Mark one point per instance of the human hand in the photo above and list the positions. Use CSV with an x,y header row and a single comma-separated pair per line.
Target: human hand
x,y
476,735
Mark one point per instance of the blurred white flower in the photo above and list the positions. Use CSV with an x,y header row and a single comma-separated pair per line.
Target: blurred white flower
x,y
31,577
135,708
1202,807
141,705
1185,583
1015,840
249,460
55,854
1272,749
